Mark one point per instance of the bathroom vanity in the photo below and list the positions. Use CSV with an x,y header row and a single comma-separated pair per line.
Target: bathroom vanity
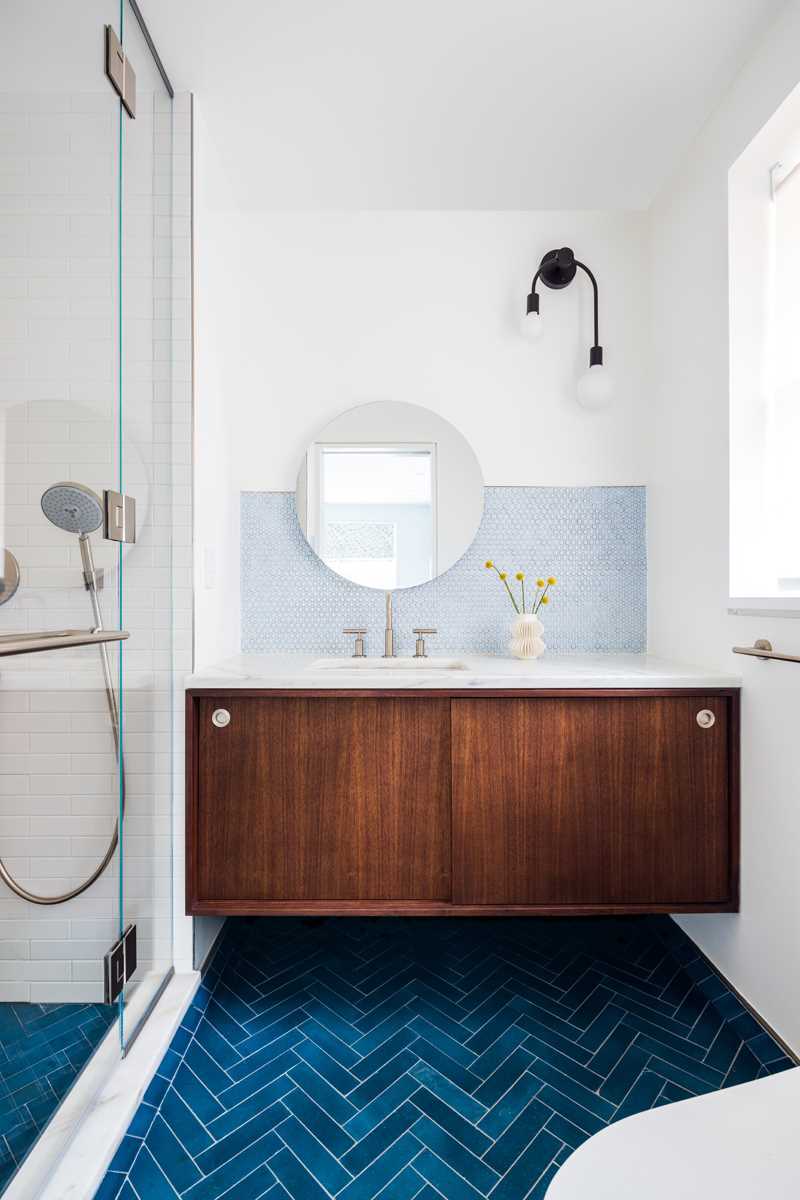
x,y
576,784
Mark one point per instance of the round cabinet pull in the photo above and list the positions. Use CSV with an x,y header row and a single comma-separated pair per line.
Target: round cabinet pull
x,y
221,717
705,718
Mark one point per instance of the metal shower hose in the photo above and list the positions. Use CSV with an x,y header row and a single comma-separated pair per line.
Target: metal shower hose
x,y
113,709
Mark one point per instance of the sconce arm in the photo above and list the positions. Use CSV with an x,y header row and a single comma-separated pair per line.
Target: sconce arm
x,y
584,268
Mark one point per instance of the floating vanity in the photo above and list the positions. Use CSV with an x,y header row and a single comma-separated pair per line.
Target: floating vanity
x,y
481,786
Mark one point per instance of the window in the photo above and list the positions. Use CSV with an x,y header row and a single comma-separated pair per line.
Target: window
x,y
764,211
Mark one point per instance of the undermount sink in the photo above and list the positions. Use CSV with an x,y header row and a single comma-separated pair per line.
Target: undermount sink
x,y
388,664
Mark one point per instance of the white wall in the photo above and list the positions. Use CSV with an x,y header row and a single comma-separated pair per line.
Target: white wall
x,y
217,312
304,315
688,536
425,307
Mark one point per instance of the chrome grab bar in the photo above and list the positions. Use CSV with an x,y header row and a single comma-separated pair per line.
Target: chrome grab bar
x,y
57,639
763,649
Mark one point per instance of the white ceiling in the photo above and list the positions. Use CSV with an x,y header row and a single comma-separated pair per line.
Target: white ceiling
x,y
449,103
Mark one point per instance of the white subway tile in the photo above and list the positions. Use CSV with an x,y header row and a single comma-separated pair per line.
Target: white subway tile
x,y
88,972
65,993
38,971
20,847
18,764
14,826
14,992
23,930
15,948
62,370
34,805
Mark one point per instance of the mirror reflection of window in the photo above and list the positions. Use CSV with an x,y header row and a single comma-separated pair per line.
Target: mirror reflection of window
x,y
377,512
389,495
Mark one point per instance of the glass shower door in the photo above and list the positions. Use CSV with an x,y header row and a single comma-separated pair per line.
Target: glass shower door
x,y
86,405
59,449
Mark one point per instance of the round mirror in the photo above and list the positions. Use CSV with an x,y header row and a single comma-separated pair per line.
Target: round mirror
x,y
389,495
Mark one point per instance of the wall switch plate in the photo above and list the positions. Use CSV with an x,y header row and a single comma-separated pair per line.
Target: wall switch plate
x,y
120,517
119,964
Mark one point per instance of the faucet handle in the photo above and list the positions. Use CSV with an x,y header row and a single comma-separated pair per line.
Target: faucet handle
x,y
358,649
420,651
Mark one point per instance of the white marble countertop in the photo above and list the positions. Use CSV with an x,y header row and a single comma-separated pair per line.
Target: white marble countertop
x,y
551,671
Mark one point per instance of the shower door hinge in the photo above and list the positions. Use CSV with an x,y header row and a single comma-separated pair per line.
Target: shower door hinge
x,y
120,72
119,964
119,524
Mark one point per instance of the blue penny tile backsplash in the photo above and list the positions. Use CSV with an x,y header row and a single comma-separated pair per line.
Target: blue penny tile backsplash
x,y
592,538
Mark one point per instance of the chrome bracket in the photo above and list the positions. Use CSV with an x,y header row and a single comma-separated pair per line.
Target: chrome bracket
x,y
119,524
120,72
119,964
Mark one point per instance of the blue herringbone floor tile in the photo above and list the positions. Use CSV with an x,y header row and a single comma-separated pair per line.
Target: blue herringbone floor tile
x,y
421,1059
43,1048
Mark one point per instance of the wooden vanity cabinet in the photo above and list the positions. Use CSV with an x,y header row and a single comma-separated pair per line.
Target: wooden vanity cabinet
x,y
431,803
611,801
310,798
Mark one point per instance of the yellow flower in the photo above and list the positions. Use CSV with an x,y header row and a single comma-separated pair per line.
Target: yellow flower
x,y
552,581
488,564
540,583
520,575
504,574
545,599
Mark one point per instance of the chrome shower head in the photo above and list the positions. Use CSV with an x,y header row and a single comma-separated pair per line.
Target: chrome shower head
x,y
73,508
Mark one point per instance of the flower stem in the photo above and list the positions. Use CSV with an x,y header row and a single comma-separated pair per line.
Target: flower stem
x,y
508,589
511,594
523,595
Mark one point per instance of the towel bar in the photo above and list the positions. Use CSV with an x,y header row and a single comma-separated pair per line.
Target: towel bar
x,y
763,649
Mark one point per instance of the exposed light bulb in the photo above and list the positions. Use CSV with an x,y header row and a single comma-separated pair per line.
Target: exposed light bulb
x,y
531,326
595,387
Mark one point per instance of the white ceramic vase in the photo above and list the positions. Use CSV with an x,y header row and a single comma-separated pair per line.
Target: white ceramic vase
x,y
526,637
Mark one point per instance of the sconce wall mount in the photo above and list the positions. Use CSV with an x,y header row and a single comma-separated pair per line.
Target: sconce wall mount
x,y
557,270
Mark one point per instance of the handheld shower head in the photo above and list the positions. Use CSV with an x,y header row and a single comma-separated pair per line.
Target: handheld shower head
x,y
73,508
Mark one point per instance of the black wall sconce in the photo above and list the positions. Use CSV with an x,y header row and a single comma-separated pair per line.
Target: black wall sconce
x,y
557,270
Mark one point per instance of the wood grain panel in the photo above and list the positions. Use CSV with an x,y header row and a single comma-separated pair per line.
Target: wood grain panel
x,y
329,798
609,801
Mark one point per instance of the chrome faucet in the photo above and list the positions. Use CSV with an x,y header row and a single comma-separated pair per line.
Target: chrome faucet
x,y
388,637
